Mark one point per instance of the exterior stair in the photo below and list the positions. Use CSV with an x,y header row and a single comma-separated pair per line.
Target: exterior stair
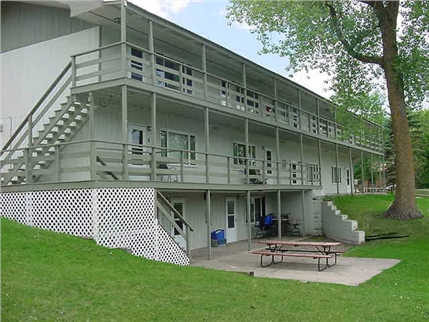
x,y
59,128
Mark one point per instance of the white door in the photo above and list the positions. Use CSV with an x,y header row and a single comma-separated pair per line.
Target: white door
x,y
231,220
348,180
137,135
179,205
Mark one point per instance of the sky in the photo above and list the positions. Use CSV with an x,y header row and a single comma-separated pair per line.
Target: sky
x,y
207,19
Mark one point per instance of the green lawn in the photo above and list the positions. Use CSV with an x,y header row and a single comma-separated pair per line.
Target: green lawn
x,y
55,277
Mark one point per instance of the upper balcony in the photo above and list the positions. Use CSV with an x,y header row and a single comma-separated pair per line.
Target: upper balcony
x,y
152,71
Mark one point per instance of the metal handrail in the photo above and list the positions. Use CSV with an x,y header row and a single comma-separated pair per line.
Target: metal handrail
x,y
36,107
170,206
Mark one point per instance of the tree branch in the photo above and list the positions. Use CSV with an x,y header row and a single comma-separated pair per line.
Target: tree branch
x,y
350,49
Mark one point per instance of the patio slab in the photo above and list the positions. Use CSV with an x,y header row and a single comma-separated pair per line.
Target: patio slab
x,y
348,271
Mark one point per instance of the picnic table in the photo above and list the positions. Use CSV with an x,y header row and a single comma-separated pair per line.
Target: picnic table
x,y
322,251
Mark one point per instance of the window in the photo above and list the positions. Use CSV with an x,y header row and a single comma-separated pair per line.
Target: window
x,y
252,100
239,152
293,172
313,173
257,208
187,81
138,65
170,71
171,75
348,176
268,164
336,175
180,141
223,93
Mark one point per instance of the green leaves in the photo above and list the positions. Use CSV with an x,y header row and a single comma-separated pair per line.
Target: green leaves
x,y
312,37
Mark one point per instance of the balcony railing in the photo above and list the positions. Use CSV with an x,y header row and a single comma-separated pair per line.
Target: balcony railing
x,y
121,60
111,161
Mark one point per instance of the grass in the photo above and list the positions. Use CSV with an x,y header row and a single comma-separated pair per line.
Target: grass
x,y
55,277
367,210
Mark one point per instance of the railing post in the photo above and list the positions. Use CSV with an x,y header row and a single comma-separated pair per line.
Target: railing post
x,y
28,166
125,174
188,242
57,164
263,171
73,71
93,160
228,169
153,163
181,166
30,130
181,79
204,67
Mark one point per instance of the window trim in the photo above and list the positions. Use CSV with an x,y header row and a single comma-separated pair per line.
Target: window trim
x,y
336,176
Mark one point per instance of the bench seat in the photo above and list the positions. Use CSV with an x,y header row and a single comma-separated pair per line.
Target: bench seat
x,y
319,257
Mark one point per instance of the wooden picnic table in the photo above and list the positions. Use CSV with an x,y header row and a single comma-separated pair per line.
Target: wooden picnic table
x,y
286,248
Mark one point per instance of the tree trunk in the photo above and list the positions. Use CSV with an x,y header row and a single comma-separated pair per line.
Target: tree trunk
x,y
404,206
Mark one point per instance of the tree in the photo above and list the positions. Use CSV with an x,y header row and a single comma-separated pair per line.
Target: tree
x,y
357,43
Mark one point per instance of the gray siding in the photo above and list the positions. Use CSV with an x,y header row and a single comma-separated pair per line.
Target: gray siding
x,y
25,24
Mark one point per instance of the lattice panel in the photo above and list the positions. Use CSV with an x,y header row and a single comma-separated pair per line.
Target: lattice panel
x,y
66,211
115,218
169,250
126,220
14,206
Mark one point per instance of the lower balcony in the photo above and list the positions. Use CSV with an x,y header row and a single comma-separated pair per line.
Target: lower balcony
x,y
103,161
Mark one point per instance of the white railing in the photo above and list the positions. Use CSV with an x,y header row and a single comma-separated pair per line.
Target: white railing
x,y
108,62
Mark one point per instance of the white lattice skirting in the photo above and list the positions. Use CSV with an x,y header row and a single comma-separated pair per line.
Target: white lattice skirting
x,y
115,218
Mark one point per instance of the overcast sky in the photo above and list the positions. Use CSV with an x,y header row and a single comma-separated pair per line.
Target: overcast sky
x,y
207,18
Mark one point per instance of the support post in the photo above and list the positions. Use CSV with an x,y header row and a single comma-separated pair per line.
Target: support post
x,y
204,68
124,37
73,71
336,169
318,115
57,163
319,146
154,135
152,53
246,139
379,174
93,144
351,172
28,166
278,154
275,100
362,171
208,216
249,224
207,134
302,158
303,212
279,211
372,173
299,109
30,130
244,80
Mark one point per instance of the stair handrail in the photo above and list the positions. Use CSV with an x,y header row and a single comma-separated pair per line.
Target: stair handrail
x,y
170,206
36,107
100,160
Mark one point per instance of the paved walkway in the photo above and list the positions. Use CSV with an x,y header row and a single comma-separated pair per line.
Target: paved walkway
x,y
348,271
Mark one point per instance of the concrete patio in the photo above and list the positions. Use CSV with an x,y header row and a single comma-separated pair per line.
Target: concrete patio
x,y
235,257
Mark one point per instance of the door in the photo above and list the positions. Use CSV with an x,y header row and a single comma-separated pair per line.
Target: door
x,y
231,220
179,205
257,208
137,135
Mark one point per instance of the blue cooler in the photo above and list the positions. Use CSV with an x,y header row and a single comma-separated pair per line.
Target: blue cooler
x,y
218,234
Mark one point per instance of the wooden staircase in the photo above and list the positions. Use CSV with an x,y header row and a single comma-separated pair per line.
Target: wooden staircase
x,y
35,145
